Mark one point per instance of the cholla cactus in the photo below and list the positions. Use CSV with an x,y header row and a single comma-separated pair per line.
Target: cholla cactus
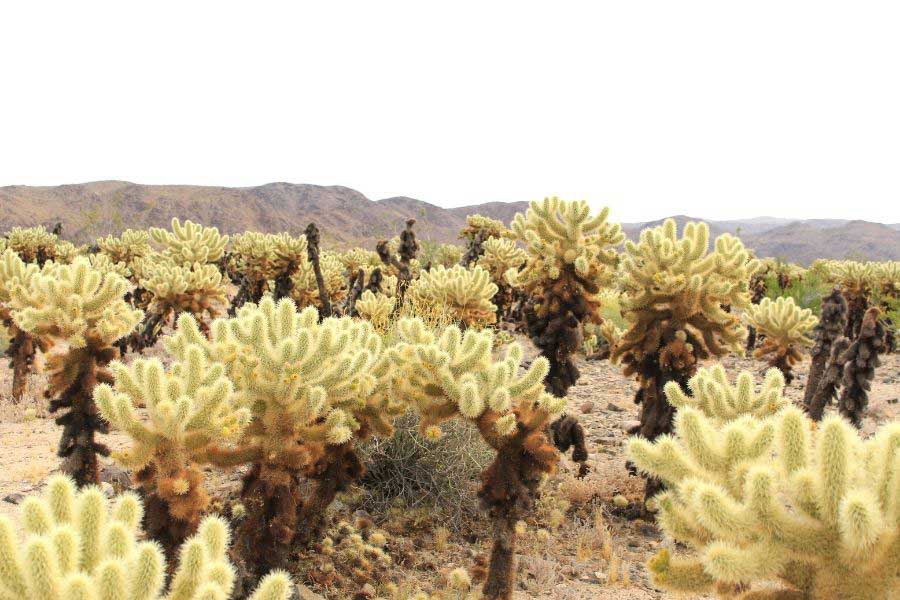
x,y
446,255
358,258
190,243
174,289
127,247
15,272
570,257
860,361
81,548
266,262
375,308
828,331
190,409
454,374
104,264
32,244
784,325
502,259
477,231
777,498
857,281
78,313
313,388
305,290
680,301
401,258
461,295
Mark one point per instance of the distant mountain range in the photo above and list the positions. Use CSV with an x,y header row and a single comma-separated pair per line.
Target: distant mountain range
x,y
347,218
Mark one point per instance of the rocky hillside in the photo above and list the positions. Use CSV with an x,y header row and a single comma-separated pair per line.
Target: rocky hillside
x,y
347,218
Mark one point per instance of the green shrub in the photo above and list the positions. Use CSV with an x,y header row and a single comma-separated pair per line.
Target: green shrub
x,y
807,291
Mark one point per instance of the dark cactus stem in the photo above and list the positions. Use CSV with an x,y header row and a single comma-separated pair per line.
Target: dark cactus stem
x,y
830,381
81,420
859,367
284,283
857,306
57,229
474,249
358,285
21,352
312,251
339,467
147,333
757,293
831,326
409,247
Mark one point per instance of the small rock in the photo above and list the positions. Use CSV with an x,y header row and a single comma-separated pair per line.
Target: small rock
x,y
587,408
614,407
14,498
304,593
107,489
116,477
630,425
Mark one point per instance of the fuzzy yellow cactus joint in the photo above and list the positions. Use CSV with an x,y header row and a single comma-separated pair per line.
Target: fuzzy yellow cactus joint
x,y
785,326
376,308
132,244
32,244
197,289
776,498
81,546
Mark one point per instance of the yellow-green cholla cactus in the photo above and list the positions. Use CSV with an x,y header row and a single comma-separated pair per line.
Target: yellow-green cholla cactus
x,y
79,546
190,408
266,262
459,294
570,257
190,243
681,301
104,264
132,244
502,259
174,289
15,272
305,291
375,308
785,326
313,388
858,280
32,244
454,374
78,314
777,498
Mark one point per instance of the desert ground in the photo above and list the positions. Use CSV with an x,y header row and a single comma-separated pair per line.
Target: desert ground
x,y
603,529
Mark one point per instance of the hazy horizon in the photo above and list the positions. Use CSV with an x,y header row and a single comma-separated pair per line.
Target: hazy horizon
x,y
719,110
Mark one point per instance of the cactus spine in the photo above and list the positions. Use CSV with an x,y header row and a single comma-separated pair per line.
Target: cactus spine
x,y
81,548
78,314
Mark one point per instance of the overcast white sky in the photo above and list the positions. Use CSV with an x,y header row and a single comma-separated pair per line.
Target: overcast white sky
x,y
715,109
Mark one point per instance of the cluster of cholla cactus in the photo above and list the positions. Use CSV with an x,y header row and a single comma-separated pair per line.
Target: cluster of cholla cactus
x,y
760,493
77,314
454,374
33,244
14,272
477,231
785,326
313,388
81,547
458,295
306,290
502,259
126,248
263,263
190,409
181,278
376,308
857,281
400,260
680,301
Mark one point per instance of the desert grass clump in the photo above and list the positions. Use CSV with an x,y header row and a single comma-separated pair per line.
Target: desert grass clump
x,y
680,300
78,314
190,412
785,326
454,374
79,546
463,295
314,389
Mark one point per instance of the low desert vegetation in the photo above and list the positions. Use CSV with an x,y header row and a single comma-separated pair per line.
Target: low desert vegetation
x,y
349,414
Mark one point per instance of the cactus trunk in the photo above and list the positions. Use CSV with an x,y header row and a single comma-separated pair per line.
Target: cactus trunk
x,y
21,351
501,577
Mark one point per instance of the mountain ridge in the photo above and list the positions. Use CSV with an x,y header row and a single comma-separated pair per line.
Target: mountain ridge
x,y
346,217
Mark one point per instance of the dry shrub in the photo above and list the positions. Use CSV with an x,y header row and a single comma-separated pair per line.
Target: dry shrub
x,y
415,472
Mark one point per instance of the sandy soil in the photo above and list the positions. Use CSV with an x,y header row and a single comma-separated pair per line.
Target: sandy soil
x,y
576,562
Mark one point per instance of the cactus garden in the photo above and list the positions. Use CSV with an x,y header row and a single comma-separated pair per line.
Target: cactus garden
x,y
545,409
